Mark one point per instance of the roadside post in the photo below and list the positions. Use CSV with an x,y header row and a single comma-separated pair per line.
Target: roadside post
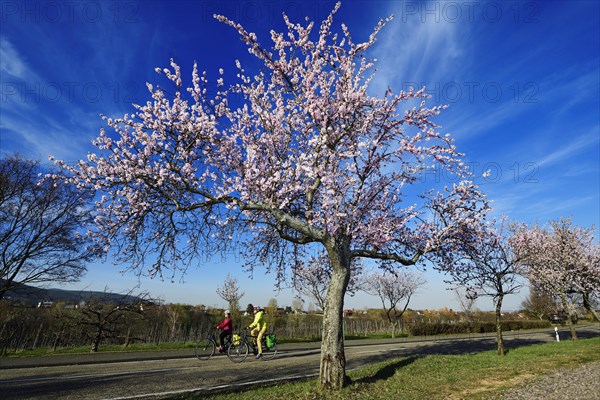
x,y
556,332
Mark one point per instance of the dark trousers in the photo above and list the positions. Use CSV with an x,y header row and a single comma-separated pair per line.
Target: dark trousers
x,y
222,337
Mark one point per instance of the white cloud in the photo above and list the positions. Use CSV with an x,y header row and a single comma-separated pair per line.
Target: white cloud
x,y
415,51
12,64
572,148
42,137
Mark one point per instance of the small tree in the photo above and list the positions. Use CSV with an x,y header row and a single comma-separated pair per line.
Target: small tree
x,y
272,304
491,267
40,227
312,279
297,304
393,289
466,299
176,314
109,318
230,292
539,303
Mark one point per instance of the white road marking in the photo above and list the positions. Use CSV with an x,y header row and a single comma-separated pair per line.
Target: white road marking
x,y
378,351
237,385
87,376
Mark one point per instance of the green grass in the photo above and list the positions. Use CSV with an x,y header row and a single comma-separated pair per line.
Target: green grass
x,y
102,349
438,377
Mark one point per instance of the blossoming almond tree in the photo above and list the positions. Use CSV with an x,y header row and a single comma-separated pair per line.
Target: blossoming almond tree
x,y
589,283
491,266
562,260
295,158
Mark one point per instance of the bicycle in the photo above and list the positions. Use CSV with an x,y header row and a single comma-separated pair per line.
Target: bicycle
x,y
205,348
238,350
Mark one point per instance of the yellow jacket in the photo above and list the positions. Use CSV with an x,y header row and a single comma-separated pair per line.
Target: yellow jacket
x,y
259,321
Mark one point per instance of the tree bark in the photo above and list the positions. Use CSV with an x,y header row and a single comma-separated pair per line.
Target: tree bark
x,y
56,340
499,339
127,340
96,340
332,374
37,336
567,310
588,305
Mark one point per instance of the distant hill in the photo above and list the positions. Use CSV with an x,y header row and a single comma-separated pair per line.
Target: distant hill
x,y
33,295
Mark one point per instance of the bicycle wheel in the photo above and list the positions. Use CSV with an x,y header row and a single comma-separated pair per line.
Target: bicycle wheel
x,y
205,349
268,353
238,353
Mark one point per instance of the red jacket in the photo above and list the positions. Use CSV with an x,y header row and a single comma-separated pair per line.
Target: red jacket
x,y
226,325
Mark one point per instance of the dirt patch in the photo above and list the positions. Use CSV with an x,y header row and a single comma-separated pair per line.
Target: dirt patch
x,y
487,385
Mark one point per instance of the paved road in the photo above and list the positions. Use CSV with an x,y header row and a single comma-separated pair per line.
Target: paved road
x,y
155,375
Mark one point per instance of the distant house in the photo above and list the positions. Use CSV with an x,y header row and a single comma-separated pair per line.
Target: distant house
x,y
45,304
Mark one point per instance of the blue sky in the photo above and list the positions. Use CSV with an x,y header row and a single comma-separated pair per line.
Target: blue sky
x,y
521,80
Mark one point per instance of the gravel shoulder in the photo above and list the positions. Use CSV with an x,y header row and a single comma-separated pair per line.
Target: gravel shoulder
x,y
579,383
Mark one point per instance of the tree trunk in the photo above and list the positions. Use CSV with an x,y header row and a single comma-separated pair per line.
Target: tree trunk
x,y
96,340
499,339
127,340
56,340
588,305
37,336
332,374
567,310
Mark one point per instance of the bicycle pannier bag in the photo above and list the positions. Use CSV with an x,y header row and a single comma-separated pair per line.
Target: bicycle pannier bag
x,y
270,340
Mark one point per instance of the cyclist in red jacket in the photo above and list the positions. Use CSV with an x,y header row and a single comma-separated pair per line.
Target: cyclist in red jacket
x,y
227,327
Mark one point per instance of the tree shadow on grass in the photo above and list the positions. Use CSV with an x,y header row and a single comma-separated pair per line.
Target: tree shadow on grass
x,y
387,371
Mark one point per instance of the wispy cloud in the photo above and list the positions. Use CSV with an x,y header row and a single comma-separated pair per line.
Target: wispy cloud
x,y
572,148
43,135
537,201
39,117
412,52
12,64
52,96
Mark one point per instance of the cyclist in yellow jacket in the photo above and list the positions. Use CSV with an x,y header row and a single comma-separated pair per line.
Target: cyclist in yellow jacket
x,y
258,326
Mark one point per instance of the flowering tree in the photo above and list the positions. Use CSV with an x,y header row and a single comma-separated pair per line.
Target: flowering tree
x,y
392,289
588,283
562,260
297,158
491,267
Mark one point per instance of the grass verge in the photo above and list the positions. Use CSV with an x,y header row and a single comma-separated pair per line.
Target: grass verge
x,y
102,349
438,376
